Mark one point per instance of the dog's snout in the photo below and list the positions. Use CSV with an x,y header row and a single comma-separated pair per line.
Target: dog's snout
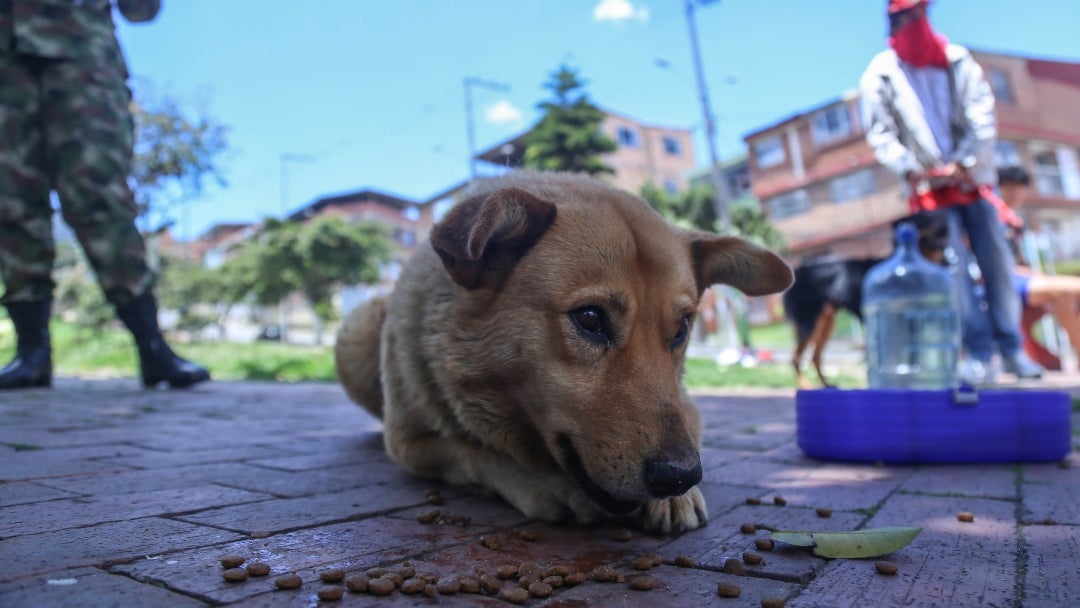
x,y
666,477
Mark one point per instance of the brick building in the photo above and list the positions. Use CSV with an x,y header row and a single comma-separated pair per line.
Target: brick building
x,y
820,183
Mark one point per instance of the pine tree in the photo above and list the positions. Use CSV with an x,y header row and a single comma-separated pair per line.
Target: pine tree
x,y
568,136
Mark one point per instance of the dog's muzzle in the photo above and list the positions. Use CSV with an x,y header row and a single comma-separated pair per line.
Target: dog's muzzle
x,y
665,477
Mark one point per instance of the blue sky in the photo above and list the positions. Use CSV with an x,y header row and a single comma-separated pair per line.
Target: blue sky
x,y
369,93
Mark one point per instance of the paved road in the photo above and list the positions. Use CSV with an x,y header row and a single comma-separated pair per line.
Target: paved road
x,y
115,496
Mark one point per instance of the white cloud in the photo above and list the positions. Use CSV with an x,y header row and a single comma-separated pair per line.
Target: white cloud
x,y
503,112
619,10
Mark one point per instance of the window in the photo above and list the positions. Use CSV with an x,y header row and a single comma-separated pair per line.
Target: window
x,y
1007,154
1000,85
831,124
1048,174
627,137
672,146
769,152
788,204
671,187
852,186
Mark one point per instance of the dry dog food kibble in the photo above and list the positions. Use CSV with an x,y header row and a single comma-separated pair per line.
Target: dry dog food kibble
x,y
728,590
604,574
965,516
643,583
357,582
558,571
540,589
288,581
779,501
554,580
235,575
448,585
381,586
490,541
516,595
406,572
824,512
528,535
430,590
258,569
469,585
734,566
527,580
507,571
413,586
753,500
428,517
332,575
232,561
773,602
684,561
330,594
748,528
376,572
395,577
530,568
575,578
434,497
624,535
886,567
752,558
764,544
642,563
490,584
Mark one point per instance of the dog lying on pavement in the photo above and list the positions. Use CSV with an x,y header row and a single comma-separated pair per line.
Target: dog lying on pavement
x,y
535,348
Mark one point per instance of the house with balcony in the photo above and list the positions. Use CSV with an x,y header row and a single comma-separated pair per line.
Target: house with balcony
x,y
820,184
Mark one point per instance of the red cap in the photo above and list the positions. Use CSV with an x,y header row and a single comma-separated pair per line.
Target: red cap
x,y
895,6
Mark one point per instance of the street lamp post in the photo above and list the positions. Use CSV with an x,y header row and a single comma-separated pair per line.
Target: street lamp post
x,y
469,82
717,175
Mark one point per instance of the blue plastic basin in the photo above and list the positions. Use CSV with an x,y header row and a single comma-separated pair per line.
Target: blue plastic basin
x,y
942,426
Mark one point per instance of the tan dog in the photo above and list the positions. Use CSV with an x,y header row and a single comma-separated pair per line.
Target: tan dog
x,y
535,348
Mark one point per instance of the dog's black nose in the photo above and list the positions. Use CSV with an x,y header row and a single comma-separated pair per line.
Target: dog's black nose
x,y
671,478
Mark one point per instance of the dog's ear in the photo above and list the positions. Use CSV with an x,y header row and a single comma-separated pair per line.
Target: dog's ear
x,y
753,270
483,237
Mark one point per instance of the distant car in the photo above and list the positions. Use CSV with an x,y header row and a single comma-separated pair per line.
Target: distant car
x,y
270,333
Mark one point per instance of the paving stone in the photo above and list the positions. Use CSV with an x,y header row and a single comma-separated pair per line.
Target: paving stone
x,y
88,587
34,554
25,492
73,513
40,464
353,547
293,513
1052,572
991,481
166,460
1051,492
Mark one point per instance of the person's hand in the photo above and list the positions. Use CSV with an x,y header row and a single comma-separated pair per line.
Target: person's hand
x,y
954,171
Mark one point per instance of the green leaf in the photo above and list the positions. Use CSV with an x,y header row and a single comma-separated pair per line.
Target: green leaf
x,y
860,543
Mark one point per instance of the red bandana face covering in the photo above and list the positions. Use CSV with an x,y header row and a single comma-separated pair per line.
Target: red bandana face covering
x,y
918,44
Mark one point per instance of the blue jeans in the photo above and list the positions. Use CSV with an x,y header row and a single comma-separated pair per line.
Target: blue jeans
x,y
999,325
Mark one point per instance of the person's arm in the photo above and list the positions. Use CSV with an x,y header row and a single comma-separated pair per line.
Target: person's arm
x,y
882,132
976,146
138,11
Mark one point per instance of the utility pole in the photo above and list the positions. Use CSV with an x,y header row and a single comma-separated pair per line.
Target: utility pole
x,y
468,83
717,173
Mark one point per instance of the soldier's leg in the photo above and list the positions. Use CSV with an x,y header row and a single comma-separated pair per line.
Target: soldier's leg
x,y
90,139
89,136
26,239
26,243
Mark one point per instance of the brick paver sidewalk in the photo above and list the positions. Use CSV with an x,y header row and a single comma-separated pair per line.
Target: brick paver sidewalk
x,y
111,495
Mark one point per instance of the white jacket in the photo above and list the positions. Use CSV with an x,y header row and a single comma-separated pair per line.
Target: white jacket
x,y
897,130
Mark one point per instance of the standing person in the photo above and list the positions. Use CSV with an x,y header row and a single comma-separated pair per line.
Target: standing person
x,y
930,119
65,126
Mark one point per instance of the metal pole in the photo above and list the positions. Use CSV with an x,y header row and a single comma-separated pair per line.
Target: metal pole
x,y
468,82
717,175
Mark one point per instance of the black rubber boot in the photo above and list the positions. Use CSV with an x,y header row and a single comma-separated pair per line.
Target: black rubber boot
x,y
32,365
156,360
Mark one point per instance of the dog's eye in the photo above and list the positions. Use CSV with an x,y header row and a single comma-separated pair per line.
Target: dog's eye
x,y
682,333
592,322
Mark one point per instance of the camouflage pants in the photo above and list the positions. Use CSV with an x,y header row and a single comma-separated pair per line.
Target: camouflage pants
x,y
68,129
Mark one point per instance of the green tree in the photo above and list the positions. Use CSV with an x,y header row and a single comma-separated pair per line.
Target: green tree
x,y
568,136
176,152
696,208
315,258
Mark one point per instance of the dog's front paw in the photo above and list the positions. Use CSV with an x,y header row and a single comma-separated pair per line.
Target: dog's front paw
x,y
675,515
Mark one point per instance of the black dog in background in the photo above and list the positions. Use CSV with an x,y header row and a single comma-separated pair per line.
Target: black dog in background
x,y
824,286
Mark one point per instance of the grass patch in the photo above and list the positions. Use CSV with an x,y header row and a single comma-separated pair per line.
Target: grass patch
x,y
706,373
24,447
